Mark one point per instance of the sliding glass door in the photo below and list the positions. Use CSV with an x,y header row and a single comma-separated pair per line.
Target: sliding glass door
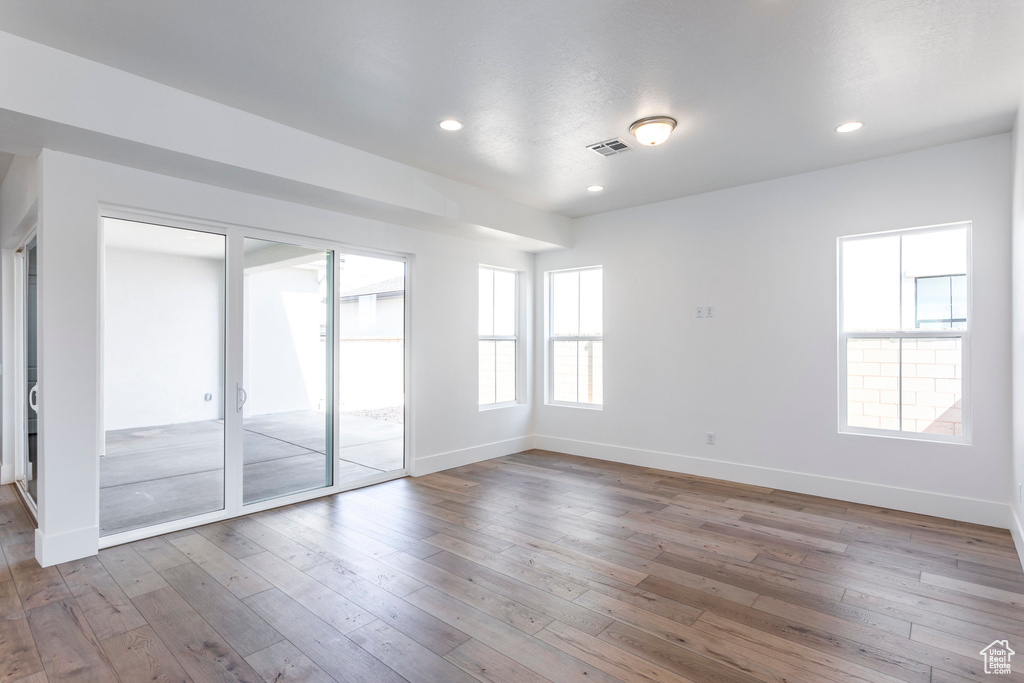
x,y
163,353
287,390
30,448
240,371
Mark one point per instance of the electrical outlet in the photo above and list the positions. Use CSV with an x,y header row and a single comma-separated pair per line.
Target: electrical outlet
x,y
707,312
700,311
208,397
711,438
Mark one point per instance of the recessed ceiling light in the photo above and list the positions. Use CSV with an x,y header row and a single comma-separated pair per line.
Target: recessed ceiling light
x,y
595,188
849,127
451,124
653,130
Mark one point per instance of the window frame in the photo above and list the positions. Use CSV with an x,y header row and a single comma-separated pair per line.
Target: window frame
x,y
498,337
551,338
964,334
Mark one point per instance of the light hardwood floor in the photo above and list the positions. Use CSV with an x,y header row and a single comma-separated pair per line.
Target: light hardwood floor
x,y
531,567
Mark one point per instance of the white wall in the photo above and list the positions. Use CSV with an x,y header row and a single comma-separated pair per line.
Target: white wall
x,y
285,360
1017,526
371,316
762,374
446,427
371,331
18,195
163,339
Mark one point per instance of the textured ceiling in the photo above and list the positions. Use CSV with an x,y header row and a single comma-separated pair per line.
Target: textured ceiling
x,y
757,85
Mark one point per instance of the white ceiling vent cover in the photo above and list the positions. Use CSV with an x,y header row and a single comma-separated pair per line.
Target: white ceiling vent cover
x,y
610,148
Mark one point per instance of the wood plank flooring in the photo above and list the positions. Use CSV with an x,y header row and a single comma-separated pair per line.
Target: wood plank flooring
x,y
534,567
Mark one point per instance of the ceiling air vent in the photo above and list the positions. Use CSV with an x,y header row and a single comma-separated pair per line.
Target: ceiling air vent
x,y
610,148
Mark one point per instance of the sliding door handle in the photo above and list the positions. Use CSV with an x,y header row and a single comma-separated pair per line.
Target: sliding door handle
x,y
240,396
33,398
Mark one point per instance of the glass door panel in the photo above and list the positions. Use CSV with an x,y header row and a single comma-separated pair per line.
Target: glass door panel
x,y
287,392
163,350
30,466
371,366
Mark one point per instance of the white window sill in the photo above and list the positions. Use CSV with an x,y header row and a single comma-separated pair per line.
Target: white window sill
x,y
907,436
583,406
499,406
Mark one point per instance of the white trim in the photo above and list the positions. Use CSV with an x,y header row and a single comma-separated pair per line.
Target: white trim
x,y
497,406
67,546
408,420
233,378
1017,531
20,374
468,456
973,510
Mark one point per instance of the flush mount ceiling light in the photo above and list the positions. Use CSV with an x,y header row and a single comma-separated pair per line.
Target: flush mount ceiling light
x,y
595,188
653,130
849,127
451,124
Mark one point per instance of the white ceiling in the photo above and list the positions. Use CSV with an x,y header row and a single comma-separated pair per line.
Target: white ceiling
x,y
757,85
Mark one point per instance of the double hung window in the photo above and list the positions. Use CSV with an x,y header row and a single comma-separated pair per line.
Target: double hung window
x,y
575,341
498,338
904,338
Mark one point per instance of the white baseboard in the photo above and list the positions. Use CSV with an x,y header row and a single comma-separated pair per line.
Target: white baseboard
x,y
1017,531
468,456
987,512
70,545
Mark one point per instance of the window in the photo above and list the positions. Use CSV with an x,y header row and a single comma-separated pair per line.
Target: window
x,y
904,337
575,345
941,301
497,346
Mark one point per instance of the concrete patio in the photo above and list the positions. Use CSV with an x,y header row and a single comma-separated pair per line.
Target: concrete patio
x,y
157,474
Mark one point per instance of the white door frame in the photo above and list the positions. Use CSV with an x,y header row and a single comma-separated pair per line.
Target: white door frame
x,y
20,376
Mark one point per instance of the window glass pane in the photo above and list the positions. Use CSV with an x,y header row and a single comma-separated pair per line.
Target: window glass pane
x,y
504,303
486,302
163,402
934,300
933,386
590,386
872,383
565,304
591,302
505,371
371,372
565,371
871,284
935,256
487,360
287,356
